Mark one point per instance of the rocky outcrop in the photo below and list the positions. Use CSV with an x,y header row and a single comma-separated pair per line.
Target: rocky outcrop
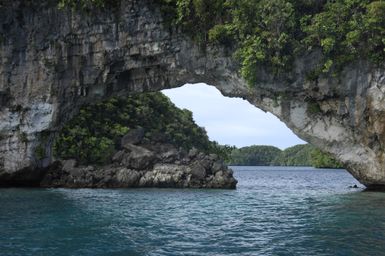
x,y
47,72
144,165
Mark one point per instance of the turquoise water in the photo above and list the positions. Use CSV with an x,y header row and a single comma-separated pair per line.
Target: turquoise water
x,y
274,211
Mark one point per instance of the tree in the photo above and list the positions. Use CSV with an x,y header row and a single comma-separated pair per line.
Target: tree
x,y
254,155
298,155
320,159
94,134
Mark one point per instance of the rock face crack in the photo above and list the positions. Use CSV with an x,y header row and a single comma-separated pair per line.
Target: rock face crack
x,y
53,61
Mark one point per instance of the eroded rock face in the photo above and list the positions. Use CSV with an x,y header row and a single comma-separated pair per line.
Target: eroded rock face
x,y
52,61
145,165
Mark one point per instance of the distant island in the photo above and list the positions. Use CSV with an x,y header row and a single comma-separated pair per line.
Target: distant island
x,y
298,155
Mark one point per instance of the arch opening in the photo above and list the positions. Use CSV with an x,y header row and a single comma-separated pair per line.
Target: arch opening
x,y
343,116
232,121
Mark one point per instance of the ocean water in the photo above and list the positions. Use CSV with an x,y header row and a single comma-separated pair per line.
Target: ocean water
x,y
274,211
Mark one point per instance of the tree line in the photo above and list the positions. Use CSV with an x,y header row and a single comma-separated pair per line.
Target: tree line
x,y
298,155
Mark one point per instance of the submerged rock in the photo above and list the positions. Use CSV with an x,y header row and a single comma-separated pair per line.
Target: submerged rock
x,y
160,165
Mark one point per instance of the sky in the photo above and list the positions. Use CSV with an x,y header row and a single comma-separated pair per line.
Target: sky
x,y
231,121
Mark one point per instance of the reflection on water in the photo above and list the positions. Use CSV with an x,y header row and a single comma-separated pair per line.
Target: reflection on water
x,y
274,211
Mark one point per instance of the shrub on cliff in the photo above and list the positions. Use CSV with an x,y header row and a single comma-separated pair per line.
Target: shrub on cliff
x,y
81,4
271,33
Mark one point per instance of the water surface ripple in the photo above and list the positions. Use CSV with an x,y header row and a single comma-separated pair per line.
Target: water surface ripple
x,y
274,211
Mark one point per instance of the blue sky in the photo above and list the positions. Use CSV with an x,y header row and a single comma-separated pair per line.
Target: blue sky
x,y
231,121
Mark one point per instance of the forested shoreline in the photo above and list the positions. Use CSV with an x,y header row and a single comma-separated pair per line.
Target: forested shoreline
x,y
298,155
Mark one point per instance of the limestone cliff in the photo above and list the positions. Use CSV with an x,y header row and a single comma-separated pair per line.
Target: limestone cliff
x,y
53,61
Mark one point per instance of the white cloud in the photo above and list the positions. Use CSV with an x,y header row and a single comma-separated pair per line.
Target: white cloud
x,y
231,121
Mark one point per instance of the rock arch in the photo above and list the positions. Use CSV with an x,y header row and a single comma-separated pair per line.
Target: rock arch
x,y
52,61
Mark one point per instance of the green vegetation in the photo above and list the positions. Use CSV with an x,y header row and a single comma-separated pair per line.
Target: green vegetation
x,y
23,137
82,4
271,33
299,155
40,149
94,134
254,155
39,152
320,159
313,108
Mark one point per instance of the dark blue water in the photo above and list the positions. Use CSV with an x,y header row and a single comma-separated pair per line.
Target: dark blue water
x,y
274,211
